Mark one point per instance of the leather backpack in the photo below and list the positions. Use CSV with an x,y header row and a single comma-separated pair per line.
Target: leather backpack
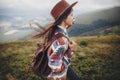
x,y
39,63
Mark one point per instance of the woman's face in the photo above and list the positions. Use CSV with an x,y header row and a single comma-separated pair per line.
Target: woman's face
x,y
69,20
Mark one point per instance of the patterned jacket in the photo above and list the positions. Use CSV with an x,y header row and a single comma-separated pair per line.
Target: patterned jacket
x,y
59,53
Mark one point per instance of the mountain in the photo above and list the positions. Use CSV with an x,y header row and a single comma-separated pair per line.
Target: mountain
x,y
15,26
95,21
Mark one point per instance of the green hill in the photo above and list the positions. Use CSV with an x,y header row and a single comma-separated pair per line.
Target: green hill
x,y
95,58
103,31
110,15
93,22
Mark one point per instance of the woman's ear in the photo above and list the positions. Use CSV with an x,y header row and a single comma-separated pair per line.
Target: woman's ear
x,y
63,23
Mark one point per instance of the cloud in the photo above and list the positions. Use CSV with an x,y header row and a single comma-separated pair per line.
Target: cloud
x,y
11,32
26,25
93,4
5,24
47,5
18,18
27,4
84,6
5,3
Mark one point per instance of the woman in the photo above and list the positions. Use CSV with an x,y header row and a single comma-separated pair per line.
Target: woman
x,y
61,50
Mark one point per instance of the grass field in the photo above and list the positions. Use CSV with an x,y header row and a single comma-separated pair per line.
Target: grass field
x,y
95,58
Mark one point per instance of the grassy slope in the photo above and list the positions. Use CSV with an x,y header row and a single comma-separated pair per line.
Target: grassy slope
x,y
103,31
97,59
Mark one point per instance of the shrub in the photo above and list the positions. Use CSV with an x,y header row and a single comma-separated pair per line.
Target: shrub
x,y
83,43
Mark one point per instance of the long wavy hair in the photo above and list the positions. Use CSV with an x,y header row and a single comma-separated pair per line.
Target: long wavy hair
x,y
49,29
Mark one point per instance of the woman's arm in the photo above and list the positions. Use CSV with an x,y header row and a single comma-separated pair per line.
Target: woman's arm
x,y
57,49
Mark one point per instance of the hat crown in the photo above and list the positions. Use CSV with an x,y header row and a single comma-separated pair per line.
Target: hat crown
x,y
59,8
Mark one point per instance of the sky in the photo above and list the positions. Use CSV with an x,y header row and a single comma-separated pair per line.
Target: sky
x,y
46,5
16,14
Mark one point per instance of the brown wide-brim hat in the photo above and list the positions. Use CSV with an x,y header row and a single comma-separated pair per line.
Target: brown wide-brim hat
x,y
58,11
60,8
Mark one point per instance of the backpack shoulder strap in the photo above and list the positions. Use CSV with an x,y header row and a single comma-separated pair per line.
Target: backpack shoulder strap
x,y
61,35
56,37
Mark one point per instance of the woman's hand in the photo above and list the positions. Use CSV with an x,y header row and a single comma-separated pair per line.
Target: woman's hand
x,y
72,45
58,70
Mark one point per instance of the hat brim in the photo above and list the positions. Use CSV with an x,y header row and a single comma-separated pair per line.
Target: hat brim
x,y
69,7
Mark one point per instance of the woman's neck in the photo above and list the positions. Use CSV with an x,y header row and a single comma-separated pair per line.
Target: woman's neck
x,y
63,25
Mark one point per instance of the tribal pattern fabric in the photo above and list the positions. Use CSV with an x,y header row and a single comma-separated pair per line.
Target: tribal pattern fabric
x,y
58,50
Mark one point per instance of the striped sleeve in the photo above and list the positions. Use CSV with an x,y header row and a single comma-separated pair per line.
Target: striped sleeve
x,y
59,47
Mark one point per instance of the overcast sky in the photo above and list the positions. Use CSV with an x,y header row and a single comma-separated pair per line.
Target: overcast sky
x,y
46,5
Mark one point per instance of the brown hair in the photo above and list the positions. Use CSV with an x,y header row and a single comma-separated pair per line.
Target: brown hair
x,y
49,31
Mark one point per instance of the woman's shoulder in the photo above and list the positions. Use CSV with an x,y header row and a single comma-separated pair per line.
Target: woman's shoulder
x,y
58,31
